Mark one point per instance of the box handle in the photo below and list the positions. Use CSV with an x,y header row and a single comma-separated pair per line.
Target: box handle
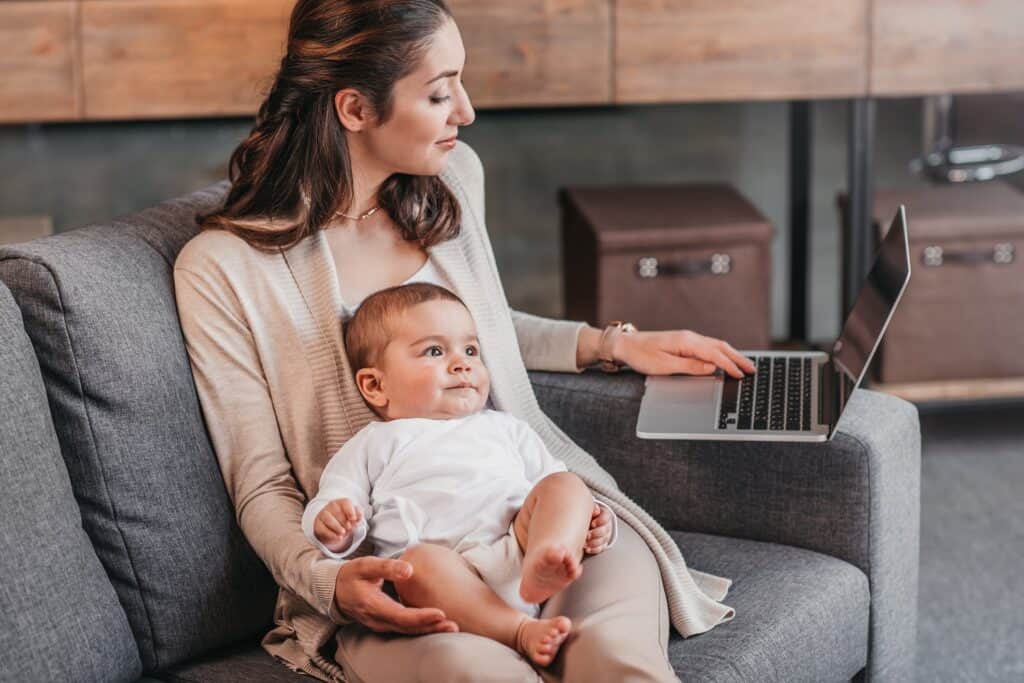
x,y
1000,254
650,267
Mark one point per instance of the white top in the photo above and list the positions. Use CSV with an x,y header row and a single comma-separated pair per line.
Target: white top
x,y
456,482
428,272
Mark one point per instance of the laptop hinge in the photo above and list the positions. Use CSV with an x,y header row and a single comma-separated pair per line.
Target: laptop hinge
x,y
829,394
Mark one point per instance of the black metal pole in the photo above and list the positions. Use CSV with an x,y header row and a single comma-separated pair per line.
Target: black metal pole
x,y
856,252
858,242
800,144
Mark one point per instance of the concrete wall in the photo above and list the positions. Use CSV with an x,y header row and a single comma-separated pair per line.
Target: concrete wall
x,y
80,173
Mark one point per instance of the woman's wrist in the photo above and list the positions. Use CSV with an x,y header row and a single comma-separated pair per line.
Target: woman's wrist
x,y
587,345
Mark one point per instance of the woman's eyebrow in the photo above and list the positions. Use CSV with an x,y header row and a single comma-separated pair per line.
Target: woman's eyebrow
x,y
443,74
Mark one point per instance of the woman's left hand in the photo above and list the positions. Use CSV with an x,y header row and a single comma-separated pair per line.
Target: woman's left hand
x,y
679,352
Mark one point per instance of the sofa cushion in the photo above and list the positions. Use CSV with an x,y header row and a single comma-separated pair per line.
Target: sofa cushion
x,y
242,663
99,307
800,615
60,619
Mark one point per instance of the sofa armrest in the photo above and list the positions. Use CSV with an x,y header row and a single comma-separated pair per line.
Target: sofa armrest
x,y
856,497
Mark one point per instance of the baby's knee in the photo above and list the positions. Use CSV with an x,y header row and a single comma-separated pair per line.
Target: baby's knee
x,y
426,559
423,556
564,482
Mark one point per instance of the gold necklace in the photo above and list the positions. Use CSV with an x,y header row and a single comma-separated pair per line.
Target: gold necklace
x,y
360,217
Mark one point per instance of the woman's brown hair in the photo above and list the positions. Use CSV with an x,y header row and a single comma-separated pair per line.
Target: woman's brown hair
x,y
293,172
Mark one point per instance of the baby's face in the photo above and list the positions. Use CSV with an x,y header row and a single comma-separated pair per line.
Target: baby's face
x,y
432,366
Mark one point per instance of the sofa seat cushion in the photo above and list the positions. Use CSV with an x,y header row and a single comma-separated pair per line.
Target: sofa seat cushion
x,y
246,662
60,619
800,615
98,305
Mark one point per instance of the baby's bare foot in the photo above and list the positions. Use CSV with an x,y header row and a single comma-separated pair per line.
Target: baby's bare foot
x,y
539,639
547,571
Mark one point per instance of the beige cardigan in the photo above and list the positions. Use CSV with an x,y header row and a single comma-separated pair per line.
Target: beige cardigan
x,y
265,344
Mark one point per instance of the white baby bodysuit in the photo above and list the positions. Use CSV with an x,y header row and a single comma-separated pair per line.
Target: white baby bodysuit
x,y
455,482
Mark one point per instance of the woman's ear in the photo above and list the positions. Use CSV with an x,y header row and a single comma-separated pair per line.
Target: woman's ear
x,y
352,109
369,382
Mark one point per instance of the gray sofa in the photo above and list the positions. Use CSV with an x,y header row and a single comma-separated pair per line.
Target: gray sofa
x,y
122,559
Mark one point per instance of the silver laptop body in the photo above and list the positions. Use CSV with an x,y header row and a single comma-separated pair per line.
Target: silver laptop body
x,y
795,395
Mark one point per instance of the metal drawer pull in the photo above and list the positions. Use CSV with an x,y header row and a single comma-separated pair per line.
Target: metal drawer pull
x,y
650,267
1000,254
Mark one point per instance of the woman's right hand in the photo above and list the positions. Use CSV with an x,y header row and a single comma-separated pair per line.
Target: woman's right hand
x,y
358,594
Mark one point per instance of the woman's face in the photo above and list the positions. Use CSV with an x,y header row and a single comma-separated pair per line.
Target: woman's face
x,y
428,106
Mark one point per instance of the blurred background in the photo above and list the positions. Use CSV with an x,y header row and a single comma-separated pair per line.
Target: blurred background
x,y
110,106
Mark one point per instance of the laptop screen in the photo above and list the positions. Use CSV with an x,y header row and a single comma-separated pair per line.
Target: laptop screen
x,y
875,303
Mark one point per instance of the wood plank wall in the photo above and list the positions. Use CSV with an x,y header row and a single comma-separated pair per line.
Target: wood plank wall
x,y
693,50
947,46
68,60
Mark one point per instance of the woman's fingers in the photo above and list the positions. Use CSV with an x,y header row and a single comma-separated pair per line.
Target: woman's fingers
x,y
723,361
721,355
693,366
359,594
741,361
380,568
389,615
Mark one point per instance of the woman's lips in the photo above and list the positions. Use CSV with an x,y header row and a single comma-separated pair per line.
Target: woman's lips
x,y
449,143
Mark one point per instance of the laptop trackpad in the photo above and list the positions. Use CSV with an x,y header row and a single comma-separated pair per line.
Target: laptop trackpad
x,y
678,403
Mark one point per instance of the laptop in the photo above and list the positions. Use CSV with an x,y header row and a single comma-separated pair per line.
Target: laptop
x,y
794,395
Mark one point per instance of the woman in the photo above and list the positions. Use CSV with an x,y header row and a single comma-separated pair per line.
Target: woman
x,y
352,181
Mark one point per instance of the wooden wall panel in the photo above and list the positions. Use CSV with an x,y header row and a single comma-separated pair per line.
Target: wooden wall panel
x,y
536,52
694,50
180,58
37,60
939,46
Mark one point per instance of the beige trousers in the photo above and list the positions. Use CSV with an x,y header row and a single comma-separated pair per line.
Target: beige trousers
x,y
619,634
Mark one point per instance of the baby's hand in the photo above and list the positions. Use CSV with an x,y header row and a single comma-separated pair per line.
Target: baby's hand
x,y
600,530
334,524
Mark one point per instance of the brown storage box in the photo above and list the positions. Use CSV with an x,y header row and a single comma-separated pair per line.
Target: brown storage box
x,y
694,256
962,316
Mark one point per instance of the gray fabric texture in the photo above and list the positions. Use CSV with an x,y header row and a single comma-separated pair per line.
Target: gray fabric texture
x,y
800,615
856,497
99,308
245,662
60,619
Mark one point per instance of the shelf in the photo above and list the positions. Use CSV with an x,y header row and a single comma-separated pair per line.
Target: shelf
x,y
955,390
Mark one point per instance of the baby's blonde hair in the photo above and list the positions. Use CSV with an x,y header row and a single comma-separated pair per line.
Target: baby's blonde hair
x,y
369,331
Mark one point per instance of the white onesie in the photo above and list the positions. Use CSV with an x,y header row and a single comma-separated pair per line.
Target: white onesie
x,y
456,482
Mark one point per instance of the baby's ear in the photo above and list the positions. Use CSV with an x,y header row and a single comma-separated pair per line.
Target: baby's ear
x,y
369,382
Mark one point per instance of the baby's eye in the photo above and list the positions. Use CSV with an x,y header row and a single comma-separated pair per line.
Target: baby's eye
x,y
434,351
471,351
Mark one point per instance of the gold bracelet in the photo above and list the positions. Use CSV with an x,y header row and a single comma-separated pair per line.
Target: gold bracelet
x,y
607,343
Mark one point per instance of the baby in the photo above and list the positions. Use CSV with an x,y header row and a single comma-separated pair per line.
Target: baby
x,y
490,521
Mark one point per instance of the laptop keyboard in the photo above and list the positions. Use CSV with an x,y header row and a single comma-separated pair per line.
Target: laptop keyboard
x,y
775,398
